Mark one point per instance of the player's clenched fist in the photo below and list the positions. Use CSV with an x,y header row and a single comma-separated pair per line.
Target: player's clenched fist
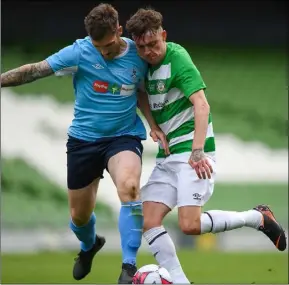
x,y
201,164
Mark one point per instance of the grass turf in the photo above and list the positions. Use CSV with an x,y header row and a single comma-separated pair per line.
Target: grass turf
x,y
200,267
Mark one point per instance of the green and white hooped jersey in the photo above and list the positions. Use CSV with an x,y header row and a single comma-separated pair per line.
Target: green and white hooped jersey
x,y
169,86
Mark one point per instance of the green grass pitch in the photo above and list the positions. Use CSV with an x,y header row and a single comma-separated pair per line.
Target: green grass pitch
x,y
200,267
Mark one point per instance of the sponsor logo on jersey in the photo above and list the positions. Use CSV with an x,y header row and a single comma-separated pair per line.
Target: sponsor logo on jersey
x,y
98,66
158,105
127,90
114,88
100,86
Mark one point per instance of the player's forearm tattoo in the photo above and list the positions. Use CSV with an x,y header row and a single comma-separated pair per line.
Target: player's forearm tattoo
x,y
25,74
197,155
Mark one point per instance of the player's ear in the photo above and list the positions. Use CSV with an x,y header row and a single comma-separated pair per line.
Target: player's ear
x,y
164,35
120,30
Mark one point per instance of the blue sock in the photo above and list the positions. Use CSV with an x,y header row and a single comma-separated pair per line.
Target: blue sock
x,y
86,234
130,226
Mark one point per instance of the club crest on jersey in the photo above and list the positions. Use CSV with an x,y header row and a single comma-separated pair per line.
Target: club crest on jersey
x,y
161,86
134,74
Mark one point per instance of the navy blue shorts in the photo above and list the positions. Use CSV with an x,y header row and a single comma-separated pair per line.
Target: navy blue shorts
x,y
86,161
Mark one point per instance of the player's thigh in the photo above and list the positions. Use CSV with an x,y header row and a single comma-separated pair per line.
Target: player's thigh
x,y
190,219
193,191
85,163
82,202
124,165
160,187
84,169
191,199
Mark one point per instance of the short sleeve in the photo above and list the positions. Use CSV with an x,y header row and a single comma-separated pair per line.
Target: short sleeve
x,y
65,61
187,77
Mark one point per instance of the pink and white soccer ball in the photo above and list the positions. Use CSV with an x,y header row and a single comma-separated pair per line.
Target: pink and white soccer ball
x,y
152,274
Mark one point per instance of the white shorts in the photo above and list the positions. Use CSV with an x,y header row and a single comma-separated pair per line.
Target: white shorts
x,y
173,182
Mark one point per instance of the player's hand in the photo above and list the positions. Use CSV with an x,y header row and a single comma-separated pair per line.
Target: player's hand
x,y
158,135
201,164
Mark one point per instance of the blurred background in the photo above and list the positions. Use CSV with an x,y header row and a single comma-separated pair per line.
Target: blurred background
x,y
240,49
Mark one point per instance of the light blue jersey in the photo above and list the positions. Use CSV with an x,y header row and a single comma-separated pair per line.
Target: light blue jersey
x,y
105,90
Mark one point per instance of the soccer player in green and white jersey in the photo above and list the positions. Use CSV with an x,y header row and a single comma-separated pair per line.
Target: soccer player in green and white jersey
x,y
185,178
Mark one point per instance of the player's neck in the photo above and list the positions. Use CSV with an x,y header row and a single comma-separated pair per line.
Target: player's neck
x,y
122,46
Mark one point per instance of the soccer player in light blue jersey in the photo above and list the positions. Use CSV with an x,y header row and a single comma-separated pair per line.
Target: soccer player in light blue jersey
x,y
105,133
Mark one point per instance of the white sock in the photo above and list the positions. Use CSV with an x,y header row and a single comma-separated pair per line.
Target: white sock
x,y
216,221
164,251
253,218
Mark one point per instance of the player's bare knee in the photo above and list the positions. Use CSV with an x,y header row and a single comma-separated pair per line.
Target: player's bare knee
x,y
79,217
191,226
129,190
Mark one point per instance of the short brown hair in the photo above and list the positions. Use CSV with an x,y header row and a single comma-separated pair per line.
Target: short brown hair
x,y
144,20
101,20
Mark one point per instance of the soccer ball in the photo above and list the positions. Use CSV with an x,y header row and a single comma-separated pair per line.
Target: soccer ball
x,y
152,274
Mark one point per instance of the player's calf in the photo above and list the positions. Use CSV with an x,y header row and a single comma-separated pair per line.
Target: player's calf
x,y
154,214
190,220
160,242
130,228
82,223
193,222
125,170
130,218
190,226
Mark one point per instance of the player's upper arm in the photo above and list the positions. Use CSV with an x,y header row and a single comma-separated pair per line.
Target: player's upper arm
x,y
65,61
188,78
